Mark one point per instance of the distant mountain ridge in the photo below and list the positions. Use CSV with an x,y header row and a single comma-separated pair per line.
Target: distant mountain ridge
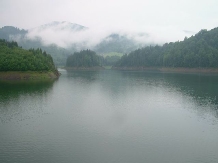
x,y
116,43
36,38
7,31
62,26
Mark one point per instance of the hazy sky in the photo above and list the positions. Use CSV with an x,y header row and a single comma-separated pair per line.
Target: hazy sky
x,y
133,14
160,16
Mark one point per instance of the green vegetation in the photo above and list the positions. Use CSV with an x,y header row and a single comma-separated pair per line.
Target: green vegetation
x,y
14,58
113,54
58,54
109,59
83,59
199,51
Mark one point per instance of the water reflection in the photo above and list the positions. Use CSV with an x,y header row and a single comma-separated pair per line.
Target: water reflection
x,y
15,95
82,74
196,85
15,89
200,88
110,116
145,117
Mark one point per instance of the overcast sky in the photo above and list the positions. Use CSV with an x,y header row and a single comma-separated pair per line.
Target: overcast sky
x,y
163,16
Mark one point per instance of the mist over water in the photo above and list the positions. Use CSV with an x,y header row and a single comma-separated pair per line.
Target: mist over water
x,y
111,116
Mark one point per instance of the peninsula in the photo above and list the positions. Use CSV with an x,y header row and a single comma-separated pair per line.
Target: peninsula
x,y
19,64
84,60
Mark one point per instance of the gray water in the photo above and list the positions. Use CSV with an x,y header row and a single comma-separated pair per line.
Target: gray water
x,y
110,117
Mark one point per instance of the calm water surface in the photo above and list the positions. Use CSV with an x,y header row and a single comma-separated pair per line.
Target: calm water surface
x,y
110,117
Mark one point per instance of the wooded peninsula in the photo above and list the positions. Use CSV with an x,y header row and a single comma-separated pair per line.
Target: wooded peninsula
x,y
17,63
85,59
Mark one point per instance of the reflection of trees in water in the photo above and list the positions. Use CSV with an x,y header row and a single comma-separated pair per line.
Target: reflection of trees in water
x,y
15,89
13,94
200,88
203,89
83,75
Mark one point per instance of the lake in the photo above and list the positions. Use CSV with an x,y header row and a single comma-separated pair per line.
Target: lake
x,y
110,116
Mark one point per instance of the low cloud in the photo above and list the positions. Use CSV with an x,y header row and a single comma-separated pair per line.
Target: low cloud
x,y
66,36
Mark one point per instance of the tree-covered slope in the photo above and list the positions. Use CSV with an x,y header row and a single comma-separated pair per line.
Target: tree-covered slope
x,y
8,32
84,58
14,58
197,51
11,33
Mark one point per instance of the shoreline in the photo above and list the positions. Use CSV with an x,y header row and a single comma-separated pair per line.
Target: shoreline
x,y
84,68
191,70
169,69
28,75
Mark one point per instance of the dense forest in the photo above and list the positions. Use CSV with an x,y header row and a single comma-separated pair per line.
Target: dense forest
x,y
84,58
199,51
14,58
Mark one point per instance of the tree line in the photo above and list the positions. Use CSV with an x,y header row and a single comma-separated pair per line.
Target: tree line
x,y
14,58
199,51
84,58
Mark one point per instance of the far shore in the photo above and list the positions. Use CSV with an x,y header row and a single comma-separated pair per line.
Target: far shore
x,y
85,68
29,75
170,69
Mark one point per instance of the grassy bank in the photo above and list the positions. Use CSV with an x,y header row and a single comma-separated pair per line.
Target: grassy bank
x,y
28,75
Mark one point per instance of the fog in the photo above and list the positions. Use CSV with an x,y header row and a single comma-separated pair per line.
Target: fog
x,y
66,35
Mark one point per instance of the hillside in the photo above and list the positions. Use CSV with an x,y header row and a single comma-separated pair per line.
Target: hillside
x,y
83,59
9,32
116,43
16,59
198,51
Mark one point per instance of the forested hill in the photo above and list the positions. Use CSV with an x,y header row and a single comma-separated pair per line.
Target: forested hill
x,y
14,58
83,59
8,32
199,51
